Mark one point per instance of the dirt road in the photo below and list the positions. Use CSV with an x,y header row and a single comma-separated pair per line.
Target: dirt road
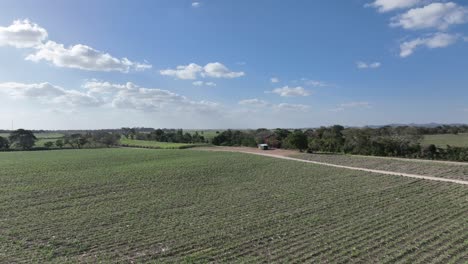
x,y
283,154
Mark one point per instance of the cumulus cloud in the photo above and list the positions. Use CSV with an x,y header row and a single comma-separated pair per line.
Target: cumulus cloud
x,y
184,72
436,15
196,4
83,57
193,71
48,93
25,34
22,34
274,80
344,106
218,70
287,91
106,94
131,96
438,40
390,5
366,65
106,90
201,83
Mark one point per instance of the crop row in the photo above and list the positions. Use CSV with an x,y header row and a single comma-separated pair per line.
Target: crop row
x,y
173,206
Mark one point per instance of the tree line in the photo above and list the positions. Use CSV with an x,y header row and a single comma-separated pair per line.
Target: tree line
x,y
387,141
26,140
390,141
164,135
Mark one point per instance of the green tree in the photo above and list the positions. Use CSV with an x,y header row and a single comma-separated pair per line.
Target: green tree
x,y
105,138
23,139
49,144
59,143
76,140
4,144
297,140
129,132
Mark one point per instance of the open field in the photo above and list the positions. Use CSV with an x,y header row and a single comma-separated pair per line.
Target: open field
x,y
450,170
156,144
208,134
442,140
198,206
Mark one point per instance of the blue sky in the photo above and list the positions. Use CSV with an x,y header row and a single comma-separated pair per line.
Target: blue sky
x,y
232,64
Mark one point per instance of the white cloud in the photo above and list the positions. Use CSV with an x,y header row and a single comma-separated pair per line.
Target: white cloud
x,y
218,70
184,72
365,65
389,5
274,80
287,91
196,4
105,94
436,15
344,106
201,83
105,90
22,34
83,57
193,70
48,93
131,96
438,40
25,34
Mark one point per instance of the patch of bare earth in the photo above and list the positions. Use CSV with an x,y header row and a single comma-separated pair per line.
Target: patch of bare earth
x,y
274,152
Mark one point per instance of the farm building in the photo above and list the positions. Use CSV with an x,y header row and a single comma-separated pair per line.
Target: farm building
x,y
263,146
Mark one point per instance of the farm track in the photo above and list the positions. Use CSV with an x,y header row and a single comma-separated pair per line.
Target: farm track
x,y
283,154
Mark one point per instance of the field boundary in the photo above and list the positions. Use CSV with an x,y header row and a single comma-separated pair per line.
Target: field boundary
x,y
415,176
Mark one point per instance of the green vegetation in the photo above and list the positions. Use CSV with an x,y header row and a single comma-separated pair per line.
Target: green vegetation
x,y
457,171
155,144
387,141
208,134
40,135
442,140
164,135
44,138
22,139
26,140
297,140
131,205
